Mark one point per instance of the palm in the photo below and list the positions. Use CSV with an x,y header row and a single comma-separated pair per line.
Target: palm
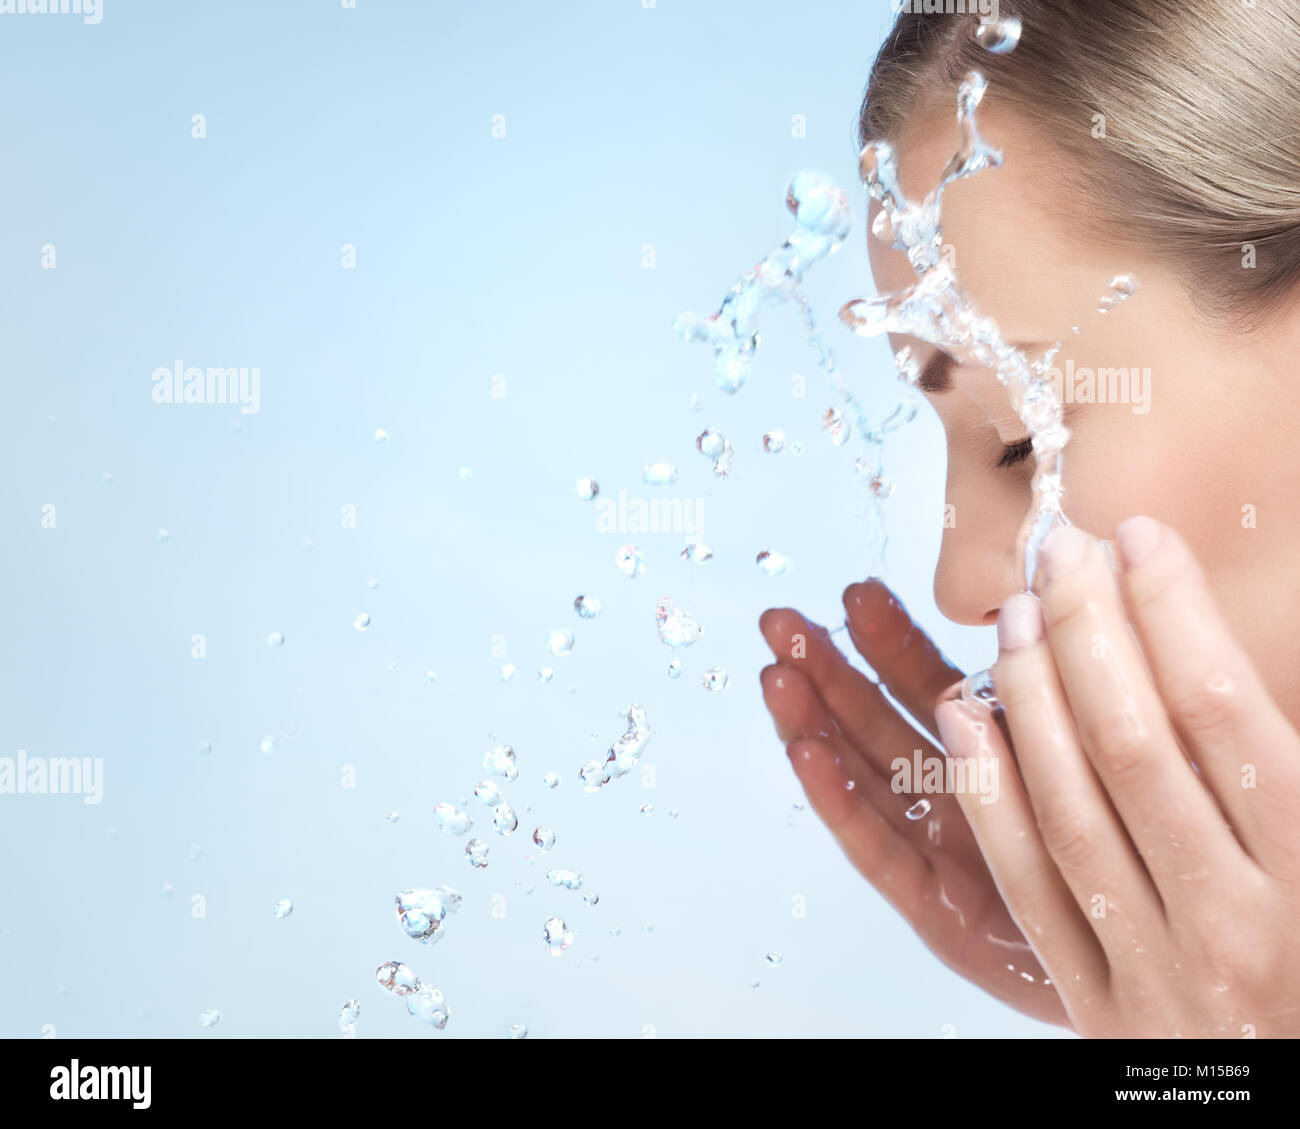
x,y
842,734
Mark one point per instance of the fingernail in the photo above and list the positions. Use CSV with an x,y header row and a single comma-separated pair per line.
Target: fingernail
x,y
1137,538
1063,551
1020,622
953,720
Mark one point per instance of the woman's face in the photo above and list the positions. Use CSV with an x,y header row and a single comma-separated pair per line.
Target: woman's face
x,y
1202,434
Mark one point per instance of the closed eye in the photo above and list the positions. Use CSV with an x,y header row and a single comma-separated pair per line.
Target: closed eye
x,y
1013,454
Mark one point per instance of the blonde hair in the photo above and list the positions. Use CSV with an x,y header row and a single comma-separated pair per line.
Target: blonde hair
x,y
1201,147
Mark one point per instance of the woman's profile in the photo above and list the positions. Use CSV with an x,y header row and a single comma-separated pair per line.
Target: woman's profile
x,y
1139,870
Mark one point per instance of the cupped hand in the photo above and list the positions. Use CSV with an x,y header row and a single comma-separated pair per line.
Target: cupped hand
x,y
843,735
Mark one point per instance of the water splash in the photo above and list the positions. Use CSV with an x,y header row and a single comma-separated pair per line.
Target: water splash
x,y
936,310
823,220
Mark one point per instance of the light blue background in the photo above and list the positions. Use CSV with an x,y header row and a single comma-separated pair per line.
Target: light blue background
x,y
476,256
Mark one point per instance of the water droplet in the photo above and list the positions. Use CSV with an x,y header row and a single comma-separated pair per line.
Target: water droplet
x,y
267,745
906,364
587,606
1122,288
774,442
427,1005
275,639
796,448
646,809
501,761
615,930
283,908
774,564
420,914
559,642
630,561
106,479
648,927
397,978
557,936
163,537
569,879
999,37
205,748
591,897
551,780
714,679
545,675
465,473
392,817
504,820
507,672
587,488
837,426
880,486
775,959
710,443
348,1015
451,819
623,754
194,853
431,675
673,813
380,435
697,551
918,810
544,837
168,889
476,852
209,1018
489,793
676,628
593,775
659,474
674,668
361,621
517,1031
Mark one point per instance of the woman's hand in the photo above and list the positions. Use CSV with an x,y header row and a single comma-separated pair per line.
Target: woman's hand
x,y
841,734
1145,838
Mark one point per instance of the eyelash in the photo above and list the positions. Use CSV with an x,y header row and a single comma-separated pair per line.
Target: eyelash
x,y
1015,453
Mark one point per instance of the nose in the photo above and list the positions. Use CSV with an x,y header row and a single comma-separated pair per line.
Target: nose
x,y
978,567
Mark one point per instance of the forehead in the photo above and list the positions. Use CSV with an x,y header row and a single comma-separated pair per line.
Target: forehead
x,y
1024,249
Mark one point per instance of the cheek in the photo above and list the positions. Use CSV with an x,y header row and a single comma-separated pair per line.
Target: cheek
x,y
1116,467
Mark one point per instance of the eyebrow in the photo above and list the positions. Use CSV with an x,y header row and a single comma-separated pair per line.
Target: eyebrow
x,y
934,377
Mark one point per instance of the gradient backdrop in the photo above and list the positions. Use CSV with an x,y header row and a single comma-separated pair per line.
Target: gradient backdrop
x,y
515,265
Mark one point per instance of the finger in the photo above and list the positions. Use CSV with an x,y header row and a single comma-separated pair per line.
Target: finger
x,y
868,839
1036,895
1245,749
912,668
864,714
799,712
1167,811
1075,818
